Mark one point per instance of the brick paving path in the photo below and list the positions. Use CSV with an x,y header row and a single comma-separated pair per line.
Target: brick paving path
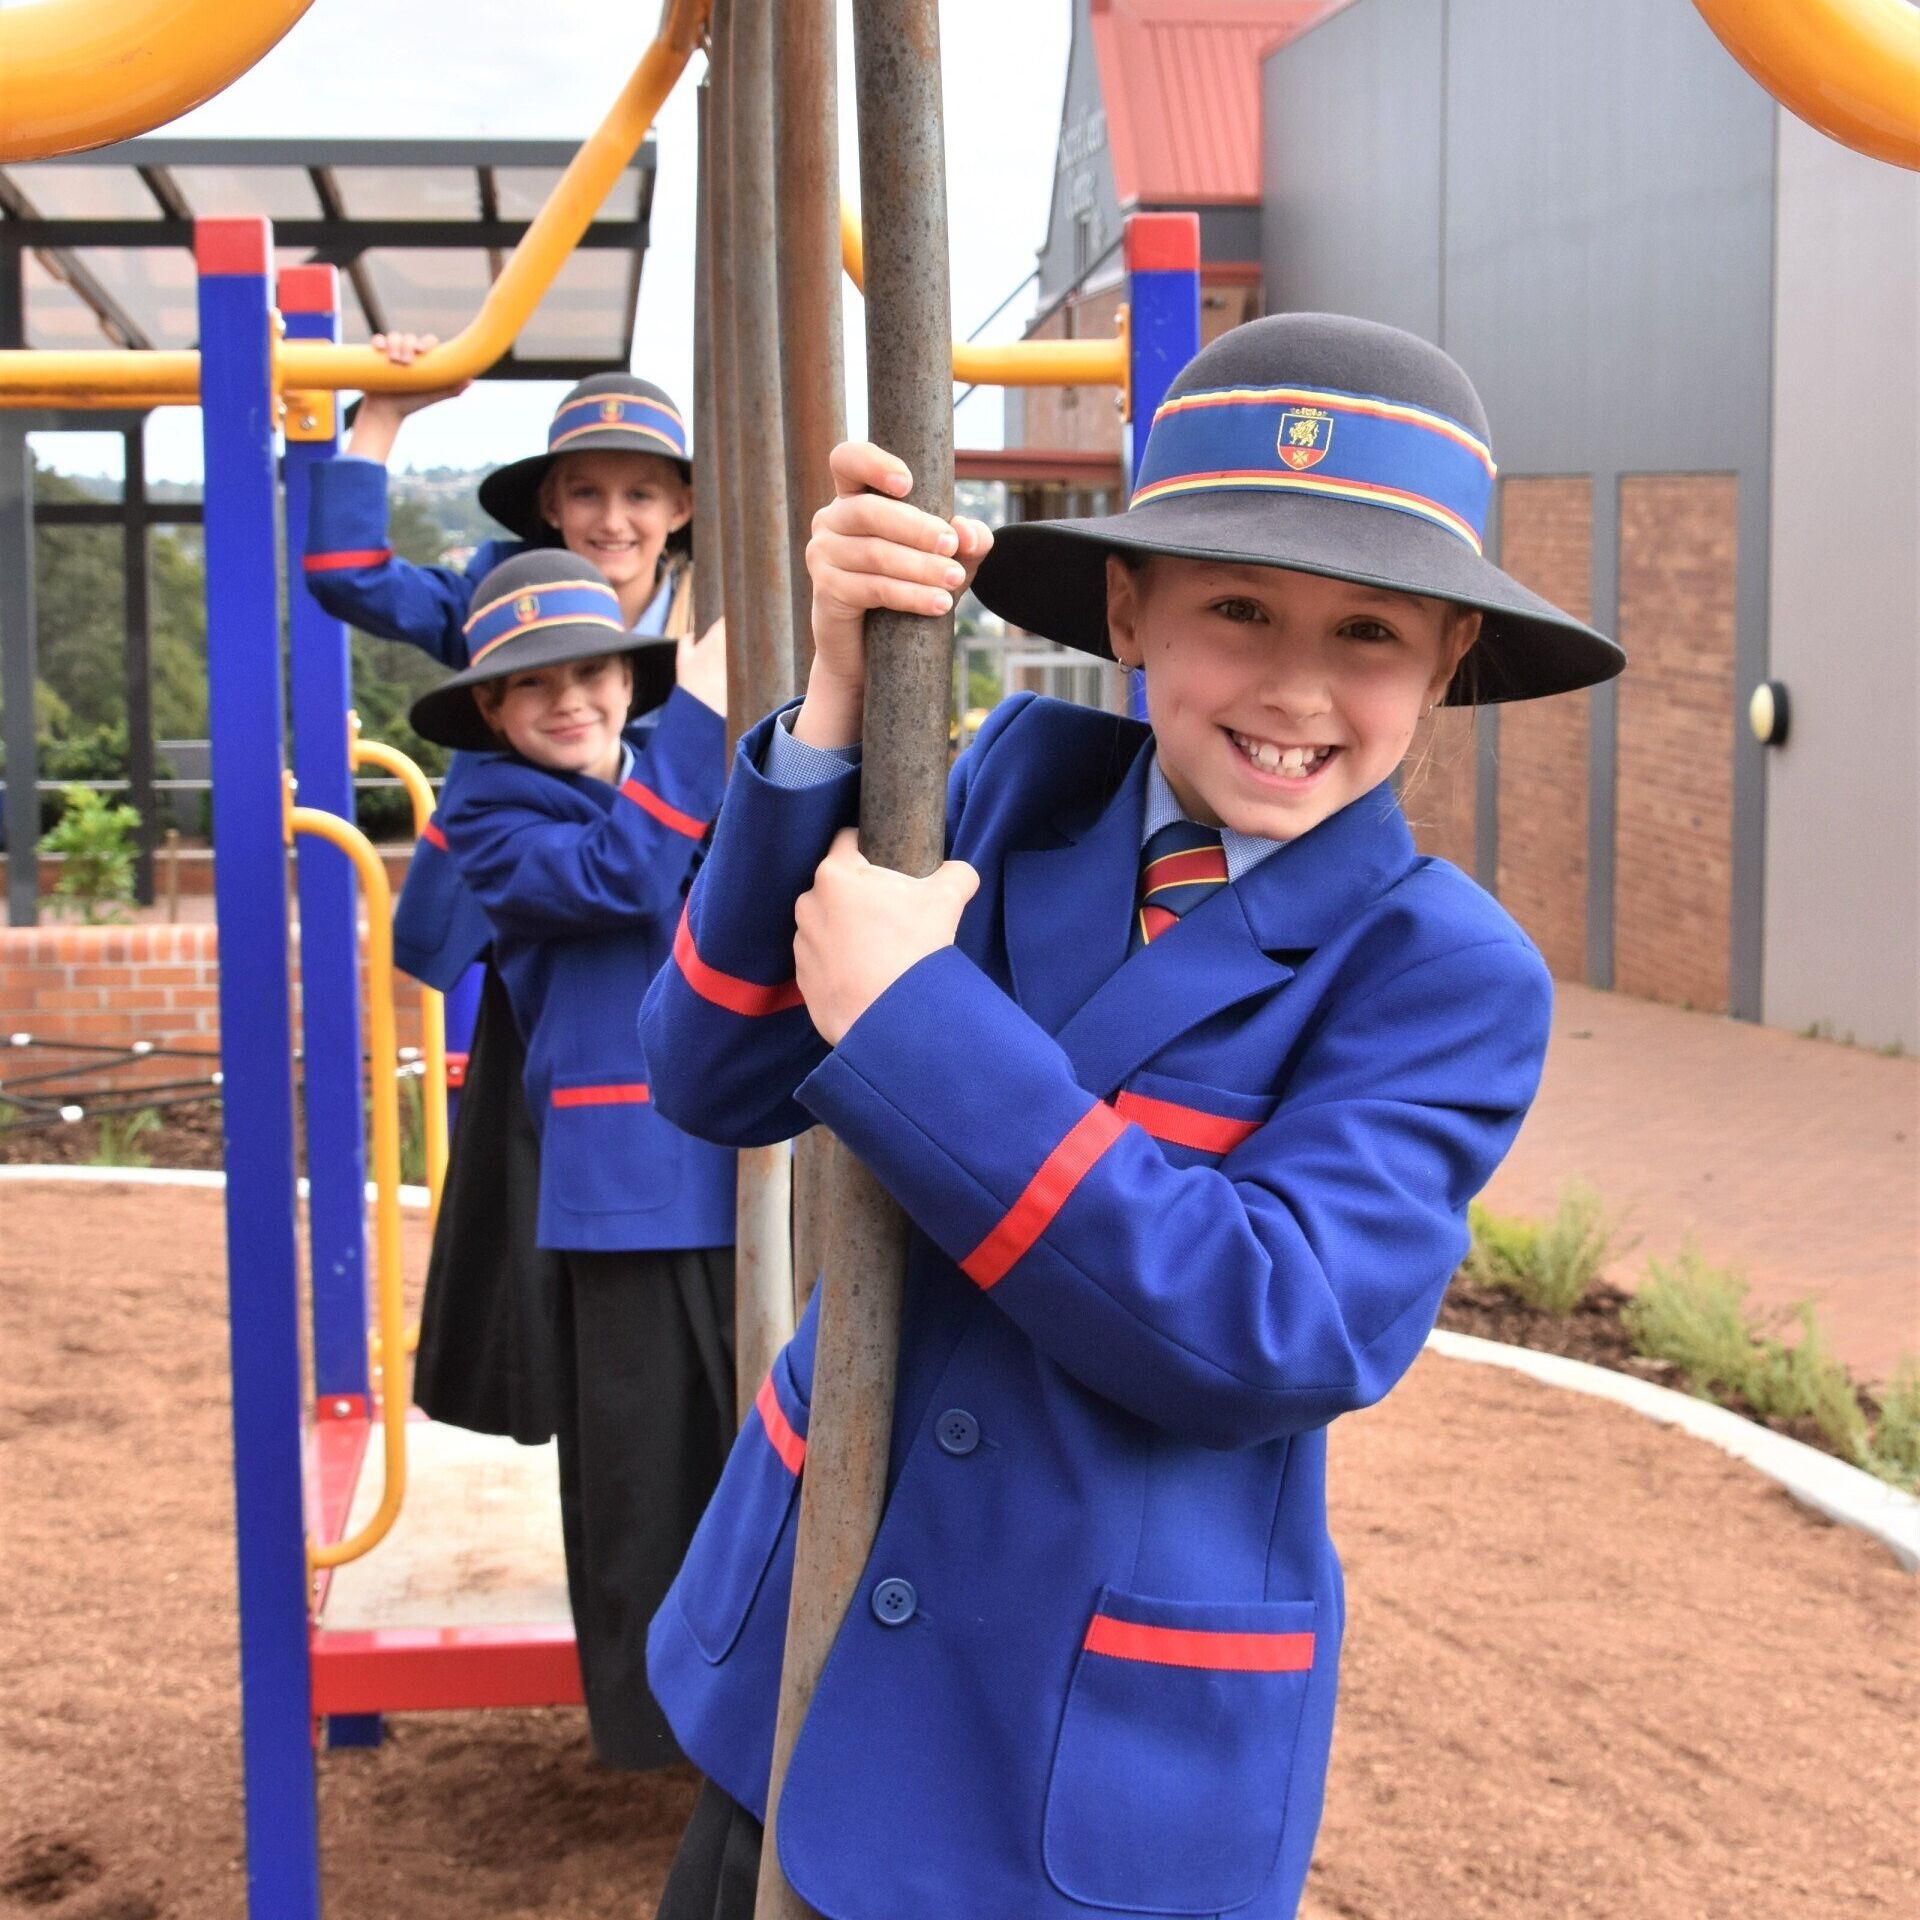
x,y
1796,1160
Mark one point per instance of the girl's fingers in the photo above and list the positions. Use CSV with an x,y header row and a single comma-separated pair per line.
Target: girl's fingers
x,y
862,592
847,553
975,538
858,465
868,514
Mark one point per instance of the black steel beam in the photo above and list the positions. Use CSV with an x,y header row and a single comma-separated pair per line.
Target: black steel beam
x,y
137,660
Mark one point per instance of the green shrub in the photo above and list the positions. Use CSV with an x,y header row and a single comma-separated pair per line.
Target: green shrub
x,y
119,1137
1550,1267
1697,1317
94,839
1896,1434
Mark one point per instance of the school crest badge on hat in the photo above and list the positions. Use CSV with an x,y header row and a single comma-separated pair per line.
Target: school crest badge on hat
x,y
1306,434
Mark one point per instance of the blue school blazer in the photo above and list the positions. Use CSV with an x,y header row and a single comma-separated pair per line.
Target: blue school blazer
x,y
1171,1214
439,928
583,883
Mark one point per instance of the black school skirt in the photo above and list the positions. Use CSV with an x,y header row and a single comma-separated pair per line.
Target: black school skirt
x,y
489,1323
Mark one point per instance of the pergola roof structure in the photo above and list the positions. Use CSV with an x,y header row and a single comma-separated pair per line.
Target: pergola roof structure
x,y
419,228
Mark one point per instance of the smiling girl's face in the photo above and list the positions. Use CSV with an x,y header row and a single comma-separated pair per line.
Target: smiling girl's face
x,y
566,717
617,509
1278,698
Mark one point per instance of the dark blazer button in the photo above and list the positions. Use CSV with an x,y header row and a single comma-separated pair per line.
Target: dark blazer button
x,y
957,1431
894,1602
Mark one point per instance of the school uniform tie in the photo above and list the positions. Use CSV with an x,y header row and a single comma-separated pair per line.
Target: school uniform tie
x,y
1181,865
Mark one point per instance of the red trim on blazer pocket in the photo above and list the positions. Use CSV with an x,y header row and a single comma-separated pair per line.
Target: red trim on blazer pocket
x,y
728,990
791,1448
347,560
632,1093
433,835
648,801
1191,1647
1046,1193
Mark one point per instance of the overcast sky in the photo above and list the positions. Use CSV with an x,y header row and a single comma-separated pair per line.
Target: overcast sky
x,y
469,68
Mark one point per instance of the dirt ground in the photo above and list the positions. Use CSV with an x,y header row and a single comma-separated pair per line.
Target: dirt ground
x,y
1594,1668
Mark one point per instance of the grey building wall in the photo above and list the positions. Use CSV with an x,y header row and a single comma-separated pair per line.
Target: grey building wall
x,y
1577,202
1843,804
1083,168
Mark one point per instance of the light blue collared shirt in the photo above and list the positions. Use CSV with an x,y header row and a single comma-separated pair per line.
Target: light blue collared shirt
x,y
792,763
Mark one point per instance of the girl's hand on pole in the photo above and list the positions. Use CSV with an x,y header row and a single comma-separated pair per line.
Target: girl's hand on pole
x,y
870,549
377,424
700,665
860,927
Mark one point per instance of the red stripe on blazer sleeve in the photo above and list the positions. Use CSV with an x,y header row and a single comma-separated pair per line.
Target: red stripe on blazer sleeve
x,y
773,1416
726,989
1046,1193
648,801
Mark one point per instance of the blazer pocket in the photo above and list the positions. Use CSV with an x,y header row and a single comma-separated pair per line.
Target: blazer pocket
x,y
1173,1769
735,1542
1196,1124
605,1149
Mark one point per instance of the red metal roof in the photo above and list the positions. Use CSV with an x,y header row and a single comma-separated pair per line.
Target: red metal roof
x,y
1180,81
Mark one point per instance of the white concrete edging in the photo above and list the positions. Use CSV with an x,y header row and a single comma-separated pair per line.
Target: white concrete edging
x,y
1841,1493
1831,1487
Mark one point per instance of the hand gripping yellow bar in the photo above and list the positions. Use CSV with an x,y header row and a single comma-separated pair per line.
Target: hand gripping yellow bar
x,y
80,73
384,1067
1848,67
433,1007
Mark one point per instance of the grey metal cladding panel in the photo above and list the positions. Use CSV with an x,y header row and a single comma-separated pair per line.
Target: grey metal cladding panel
x,y
1609,236
1351,121
1091,155
1229,233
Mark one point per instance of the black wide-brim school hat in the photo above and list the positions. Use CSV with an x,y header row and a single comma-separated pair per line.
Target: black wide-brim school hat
x,y
537,610
1326,445
605,413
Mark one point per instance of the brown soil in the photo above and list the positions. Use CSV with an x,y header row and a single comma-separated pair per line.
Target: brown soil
x,y
1594,1668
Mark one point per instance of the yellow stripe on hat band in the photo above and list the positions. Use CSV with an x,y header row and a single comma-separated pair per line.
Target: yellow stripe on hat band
x,y
554,620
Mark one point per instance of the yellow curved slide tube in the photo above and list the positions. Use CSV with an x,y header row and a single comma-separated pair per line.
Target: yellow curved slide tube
x,y
81,73
1851,68
384,1068
433,1006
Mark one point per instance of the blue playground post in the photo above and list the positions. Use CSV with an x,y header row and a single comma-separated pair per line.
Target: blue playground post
x,y
1162,253
250,877
329,937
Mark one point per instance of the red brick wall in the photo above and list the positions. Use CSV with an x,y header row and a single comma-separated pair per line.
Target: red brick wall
x,y
114,985
1546,542
1437,785
1674,858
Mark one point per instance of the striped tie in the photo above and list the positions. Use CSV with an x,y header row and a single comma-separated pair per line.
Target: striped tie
x,y
1182,865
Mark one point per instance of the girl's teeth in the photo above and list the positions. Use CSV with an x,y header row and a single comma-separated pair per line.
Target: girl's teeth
x,y
1292,764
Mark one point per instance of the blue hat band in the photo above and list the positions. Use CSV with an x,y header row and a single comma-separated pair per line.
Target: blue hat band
x,y
1308,440
565,603
647,420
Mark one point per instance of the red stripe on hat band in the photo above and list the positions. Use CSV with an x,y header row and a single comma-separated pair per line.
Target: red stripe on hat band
x,y
726,989
1184,1126
433,836
1190,1647
648,801
773,1416
345,560
632,1093
533,626
1047,1192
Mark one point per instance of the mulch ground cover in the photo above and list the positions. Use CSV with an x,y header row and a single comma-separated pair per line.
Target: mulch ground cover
x,y
1593,1668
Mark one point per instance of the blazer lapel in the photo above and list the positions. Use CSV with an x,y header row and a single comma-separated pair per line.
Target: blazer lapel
x,y
1069,906
1197,968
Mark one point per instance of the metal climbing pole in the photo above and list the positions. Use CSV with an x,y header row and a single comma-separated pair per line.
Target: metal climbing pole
x,y
902,825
